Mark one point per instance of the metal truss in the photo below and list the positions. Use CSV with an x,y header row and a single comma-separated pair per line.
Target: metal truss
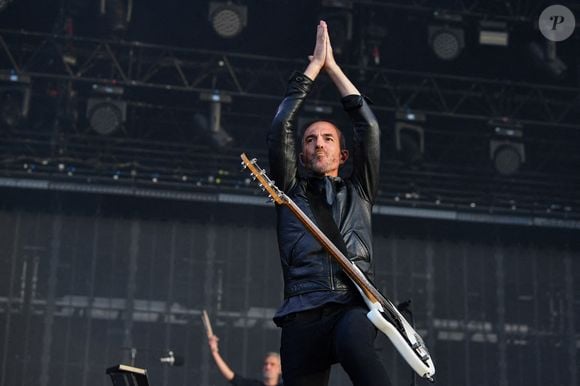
x,y
253,79
163,86
500,10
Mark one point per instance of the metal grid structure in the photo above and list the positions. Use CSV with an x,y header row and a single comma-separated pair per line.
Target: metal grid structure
x,y
162,87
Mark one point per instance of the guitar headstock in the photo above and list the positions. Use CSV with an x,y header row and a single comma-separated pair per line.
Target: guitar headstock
x,y
260,174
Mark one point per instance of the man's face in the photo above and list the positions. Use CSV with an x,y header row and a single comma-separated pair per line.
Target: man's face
x,y
272,368
321,151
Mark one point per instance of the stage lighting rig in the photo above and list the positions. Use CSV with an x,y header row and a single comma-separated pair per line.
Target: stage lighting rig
x,y
446,36
506,148
14,98
228,19
106,111
4,4
213,127
410,136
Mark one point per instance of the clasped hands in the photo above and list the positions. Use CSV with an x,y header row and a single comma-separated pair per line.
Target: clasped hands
x,y
323,57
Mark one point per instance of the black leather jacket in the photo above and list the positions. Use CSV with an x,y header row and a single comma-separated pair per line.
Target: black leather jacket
x,y
306,266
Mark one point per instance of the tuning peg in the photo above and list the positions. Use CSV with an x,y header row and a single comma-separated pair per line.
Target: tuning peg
x,y
253,177
244,166
269,200
254,160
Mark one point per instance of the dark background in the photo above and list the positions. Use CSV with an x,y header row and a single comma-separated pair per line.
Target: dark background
x,y
118,242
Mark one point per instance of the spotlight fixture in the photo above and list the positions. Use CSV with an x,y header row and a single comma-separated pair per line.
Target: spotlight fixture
x,y
14,99
493,33
446,42
116,16
213,127
446,37
106,116
4,4
227,19
507,156
410,137
506,149
106,112
545,58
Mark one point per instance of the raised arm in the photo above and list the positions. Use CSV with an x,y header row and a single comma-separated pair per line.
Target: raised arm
x,y
282,137
219,361
366,148
366,134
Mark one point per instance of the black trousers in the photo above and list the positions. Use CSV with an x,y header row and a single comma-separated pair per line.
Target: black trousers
x,y
314,340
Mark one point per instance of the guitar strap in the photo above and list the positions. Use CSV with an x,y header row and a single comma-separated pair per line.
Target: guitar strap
x,y
325,221
323,216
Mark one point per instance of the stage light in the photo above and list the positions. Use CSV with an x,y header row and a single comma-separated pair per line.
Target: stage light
x,y
493,33
545,58
506,149
116,16
409,142
213,126
11,110
106,111
227,19
14,99
410,137
446,36
507,156
446,42
4,4
105,115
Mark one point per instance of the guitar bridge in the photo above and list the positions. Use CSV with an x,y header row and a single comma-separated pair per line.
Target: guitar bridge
x,y
423,354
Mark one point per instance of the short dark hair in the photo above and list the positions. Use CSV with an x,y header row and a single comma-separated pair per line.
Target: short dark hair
x,y
310,123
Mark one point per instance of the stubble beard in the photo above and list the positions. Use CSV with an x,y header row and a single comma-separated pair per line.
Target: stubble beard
x,y
320,167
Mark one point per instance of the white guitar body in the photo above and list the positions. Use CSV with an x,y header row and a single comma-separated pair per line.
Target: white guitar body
x,y
422,366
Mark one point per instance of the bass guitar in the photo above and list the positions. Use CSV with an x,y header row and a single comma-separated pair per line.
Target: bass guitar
x,y
382,312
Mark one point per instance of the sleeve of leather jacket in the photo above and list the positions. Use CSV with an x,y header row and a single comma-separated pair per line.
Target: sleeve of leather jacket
x,y
282,137
366,151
